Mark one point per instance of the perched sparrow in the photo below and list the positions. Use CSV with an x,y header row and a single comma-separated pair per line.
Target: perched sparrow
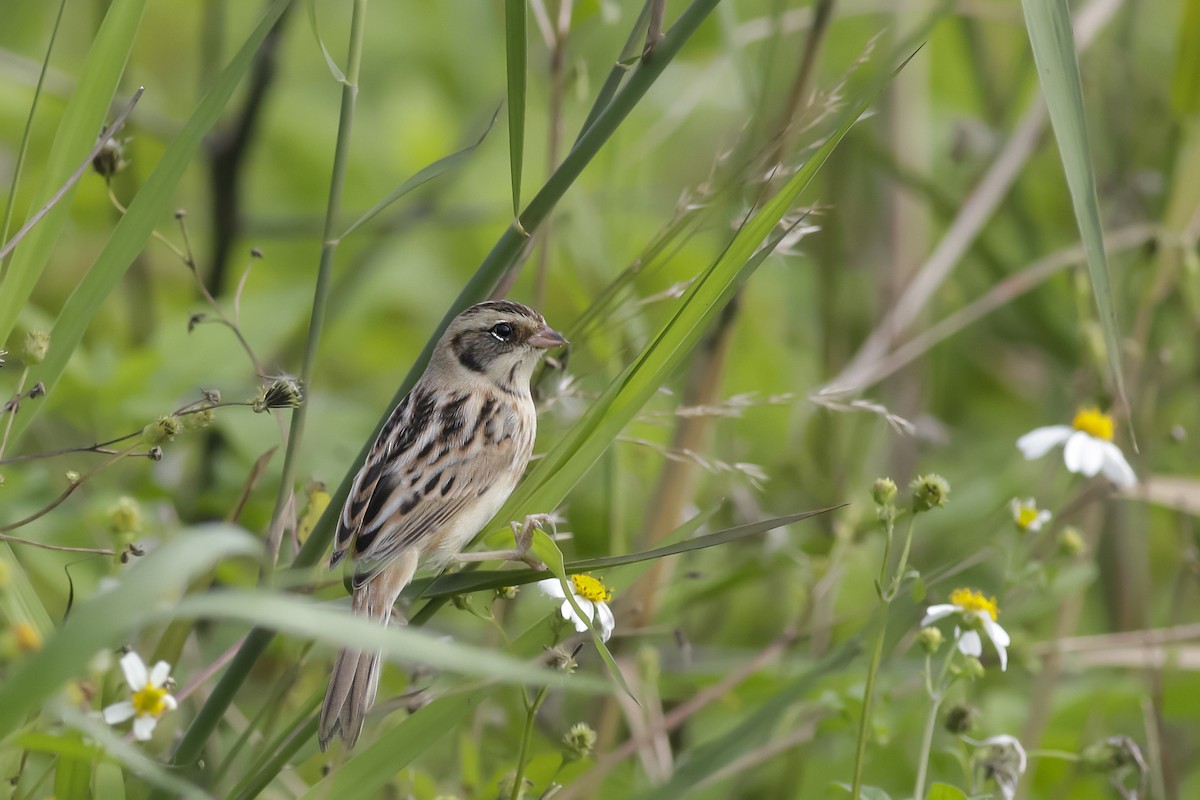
x,y
449,456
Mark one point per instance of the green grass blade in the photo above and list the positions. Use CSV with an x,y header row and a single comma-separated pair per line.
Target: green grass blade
x,y
136,226
425,175
131,756
1053,41
553,476
309,619
1185,84
23,148
77,132
464,582
106,620
516,47
330,62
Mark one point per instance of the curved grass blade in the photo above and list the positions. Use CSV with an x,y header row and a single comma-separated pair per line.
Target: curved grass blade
x,y
106,620
482,580
309,619
137,224
330,62
133,759
76,134
1053,42
516,48
423,176
23,148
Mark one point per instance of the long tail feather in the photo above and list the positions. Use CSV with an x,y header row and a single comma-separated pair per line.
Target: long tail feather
x,y
355,678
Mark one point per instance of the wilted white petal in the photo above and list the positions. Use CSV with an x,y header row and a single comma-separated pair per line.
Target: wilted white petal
x,y
1011,742
143,727
118,712
606,621
169,702
159,674
1039,441
1000,640
969,644
1083,454
934,613
135,671
1116,468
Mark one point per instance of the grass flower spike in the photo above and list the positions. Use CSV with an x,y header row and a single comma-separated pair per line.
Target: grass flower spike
x,y
150,699
591,596
1027,516
1088,447
975,612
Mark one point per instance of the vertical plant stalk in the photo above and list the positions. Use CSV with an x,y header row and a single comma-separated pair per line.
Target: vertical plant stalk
x,y
936,696
341,153
531,711
887,593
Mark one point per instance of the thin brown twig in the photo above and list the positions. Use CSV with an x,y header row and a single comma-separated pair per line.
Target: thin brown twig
x,y
105,136
100,551
70,490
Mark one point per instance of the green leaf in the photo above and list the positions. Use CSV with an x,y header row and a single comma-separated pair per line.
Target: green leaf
x,y
1053,41
330,62
944,791
108,619
309,619
516,45
425,175
457,583
134,760
1185,86
73,773
137,224
76,134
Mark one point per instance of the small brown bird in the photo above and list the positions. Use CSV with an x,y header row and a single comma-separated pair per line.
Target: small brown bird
x,y
449,456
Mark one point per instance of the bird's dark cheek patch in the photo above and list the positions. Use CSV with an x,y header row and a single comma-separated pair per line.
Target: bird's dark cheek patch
x,y
462,351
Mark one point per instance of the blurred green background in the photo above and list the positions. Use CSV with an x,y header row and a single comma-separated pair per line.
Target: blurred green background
x,y
950,189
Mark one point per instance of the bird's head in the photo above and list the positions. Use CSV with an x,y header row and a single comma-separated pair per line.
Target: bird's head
x,y
499,341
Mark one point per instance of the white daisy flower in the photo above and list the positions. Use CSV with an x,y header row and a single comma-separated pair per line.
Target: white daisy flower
x,y
1028,517
975,612
1003,760
150,699
591,596
1088,448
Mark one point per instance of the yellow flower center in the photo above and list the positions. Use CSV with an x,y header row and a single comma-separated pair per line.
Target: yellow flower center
x,y
591,588
27,637
970,600
1026,516
148,702
1094,422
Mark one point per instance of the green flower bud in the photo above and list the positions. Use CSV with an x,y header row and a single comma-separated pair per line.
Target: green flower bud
x,y
196,420
163,429
973,667
883,491
579,741
930,640
125,516
1070,542
929,492
507,592
37,344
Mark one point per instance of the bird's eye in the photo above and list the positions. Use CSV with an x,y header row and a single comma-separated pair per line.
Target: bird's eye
x,y
502,331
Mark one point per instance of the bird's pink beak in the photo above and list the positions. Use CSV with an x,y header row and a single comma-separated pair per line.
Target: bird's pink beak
x,y
547,338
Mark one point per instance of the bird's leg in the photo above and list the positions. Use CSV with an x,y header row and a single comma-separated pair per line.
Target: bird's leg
x,y
523,534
